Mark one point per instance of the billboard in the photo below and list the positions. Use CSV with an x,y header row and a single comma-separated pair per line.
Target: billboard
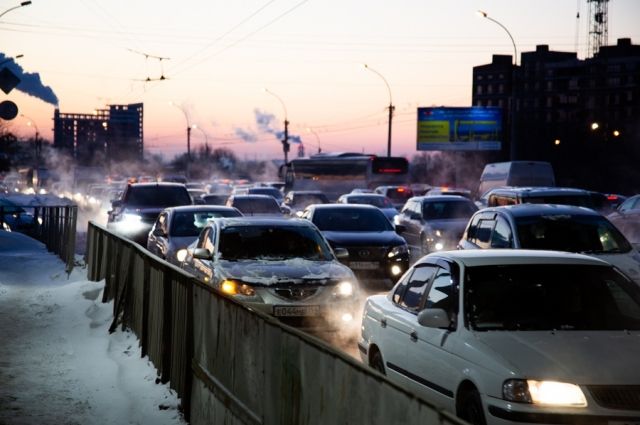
x,y
459,128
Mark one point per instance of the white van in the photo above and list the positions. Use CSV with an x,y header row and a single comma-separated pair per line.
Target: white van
x,y
516,173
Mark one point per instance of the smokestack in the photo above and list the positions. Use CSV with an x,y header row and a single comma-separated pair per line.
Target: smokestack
x,y
30,82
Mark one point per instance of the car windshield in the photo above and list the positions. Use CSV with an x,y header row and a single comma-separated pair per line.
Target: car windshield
x,y
573,233
351,220
257,205
376,201
158,196
545,297
443,210
272,243
190,223
306,199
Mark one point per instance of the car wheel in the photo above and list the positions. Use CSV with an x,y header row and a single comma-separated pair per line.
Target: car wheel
x,y
471,408
376,362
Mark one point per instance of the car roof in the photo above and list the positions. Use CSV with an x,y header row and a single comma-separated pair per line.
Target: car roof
x,y
162,184
251,196
343,206
492,257
539,190
526,210
435,198
200,208
363,195
252,221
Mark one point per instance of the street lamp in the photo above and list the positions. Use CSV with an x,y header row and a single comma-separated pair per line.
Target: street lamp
x,y
391,107
206,138
186,117
24,3
285,140
514,85
310,130
36,142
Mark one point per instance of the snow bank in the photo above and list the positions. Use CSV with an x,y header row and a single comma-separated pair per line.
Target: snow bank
x,y
58,363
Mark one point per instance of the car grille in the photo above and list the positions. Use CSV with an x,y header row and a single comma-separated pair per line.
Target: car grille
x,y
623,397
367,253
295,294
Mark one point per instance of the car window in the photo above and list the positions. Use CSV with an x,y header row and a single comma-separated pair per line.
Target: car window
x,y
416,287
376,201
351,220
483,233
257,205
191,223
629,204
442,293
272,243
502,236
573,233
447,210
562,297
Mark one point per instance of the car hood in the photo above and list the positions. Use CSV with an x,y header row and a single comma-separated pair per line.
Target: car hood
x,y
628,263
580,357
387,238
295,270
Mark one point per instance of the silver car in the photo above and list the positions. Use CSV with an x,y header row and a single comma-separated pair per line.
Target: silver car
x,y
282,267
177,227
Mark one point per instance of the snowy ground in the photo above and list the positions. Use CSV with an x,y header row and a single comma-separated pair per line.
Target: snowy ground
x,y
58,363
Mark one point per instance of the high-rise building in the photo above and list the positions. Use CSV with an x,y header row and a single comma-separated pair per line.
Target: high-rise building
x,y
111,134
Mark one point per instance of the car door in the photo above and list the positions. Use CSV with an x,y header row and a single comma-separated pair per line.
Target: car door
x,y
199,267
399,322
157,242
430,361
411,218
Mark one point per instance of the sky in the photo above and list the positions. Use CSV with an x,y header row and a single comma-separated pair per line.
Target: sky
x,y
58,362
217,57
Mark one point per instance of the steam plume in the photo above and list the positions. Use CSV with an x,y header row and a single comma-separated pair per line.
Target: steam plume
x,y
265,123
30,82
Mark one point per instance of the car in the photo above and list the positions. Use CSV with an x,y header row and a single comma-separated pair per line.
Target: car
x,y
551,227
267,190
434,223
398,194
214,199
627,218
541,195
14,218
298,200
133,215
374,199
177,227
516,173
376,253
445,190
282,267
256,205
196,195
511,336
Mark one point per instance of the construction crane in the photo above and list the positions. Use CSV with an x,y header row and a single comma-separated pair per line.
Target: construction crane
x,y
598,31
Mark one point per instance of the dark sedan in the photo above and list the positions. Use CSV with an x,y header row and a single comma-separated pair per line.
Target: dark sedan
x,y
377,254
434,223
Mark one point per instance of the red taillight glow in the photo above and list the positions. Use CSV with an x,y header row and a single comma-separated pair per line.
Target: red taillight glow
x,y
389,170
612,197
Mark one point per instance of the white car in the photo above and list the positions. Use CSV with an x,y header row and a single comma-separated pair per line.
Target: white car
x,y
512,336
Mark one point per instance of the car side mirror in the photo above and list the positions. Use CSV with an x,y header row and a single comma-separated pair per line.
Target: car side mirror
x,y
202,254
341,253
159,232
400,228
434,318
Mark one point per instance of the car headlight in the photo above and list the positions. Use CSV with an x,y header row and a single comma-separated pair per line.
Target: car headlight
x,y
549,393
344,289
438,233
231,287
438,246
181,255
398,250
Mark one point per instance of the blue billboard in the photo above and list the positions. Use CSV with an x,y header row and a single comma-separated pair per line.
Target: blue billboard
x,y
459,128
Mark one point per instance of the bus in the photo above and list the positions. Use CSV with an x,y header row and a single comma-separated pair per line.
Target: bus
x,y
339,173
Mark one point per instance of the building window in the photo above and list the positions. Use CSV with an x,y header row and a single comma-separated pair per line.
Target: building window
x,y
501,88
490,88
479,89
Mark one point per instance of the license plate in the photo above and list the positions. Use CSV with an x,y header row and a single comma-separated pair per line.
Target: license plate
x,y
364,265
291,311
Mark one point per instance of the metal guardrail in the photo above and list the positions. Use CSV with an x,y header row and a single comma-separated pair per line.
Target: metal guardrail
x,y
230,364
55,226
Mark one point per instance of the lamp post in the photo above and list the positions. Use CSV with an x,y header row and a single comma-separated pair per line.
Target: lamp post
x,y
186,117
310,130
285,139
36,142
206,137
514,84
391,107
24,3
